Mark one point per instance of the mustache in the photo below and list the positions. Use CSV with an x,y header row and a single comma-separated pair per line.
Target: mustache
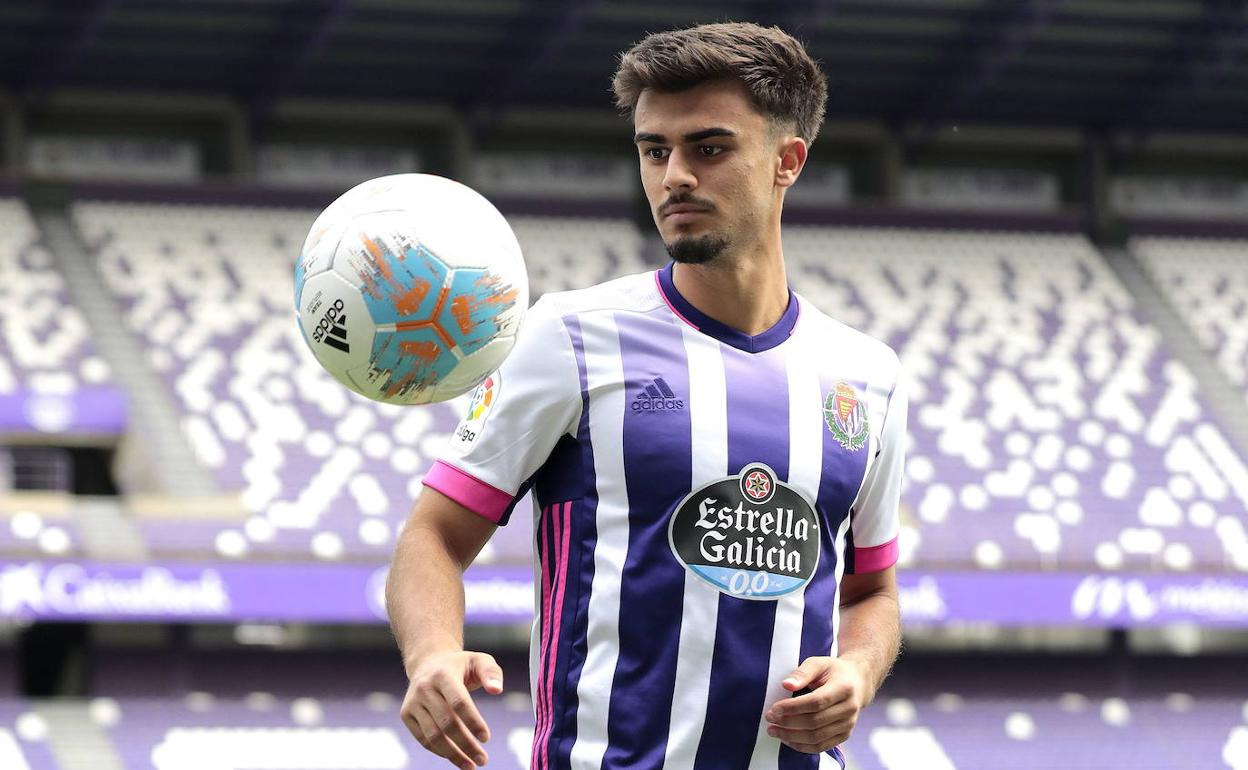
x,y
685,199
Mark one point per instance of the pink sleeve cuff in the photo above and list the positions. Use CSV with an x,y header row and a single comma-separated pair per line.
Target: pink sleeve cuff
x,y
467,490
875,558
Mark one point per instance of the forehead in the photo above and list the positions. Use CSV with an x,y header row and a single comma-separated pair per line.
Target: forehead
x,y
720,103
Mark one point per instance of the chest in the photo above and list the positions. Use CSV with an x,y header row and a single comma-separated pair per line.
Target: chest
x,y
685,410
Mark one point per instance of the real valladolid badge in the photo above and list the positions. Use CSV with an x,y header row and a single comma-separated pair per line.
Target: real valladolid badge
x,y
846,416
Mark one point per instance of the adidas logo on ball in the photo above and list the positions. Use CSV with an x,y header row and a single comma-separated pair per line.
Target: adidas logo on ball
x,y
332,328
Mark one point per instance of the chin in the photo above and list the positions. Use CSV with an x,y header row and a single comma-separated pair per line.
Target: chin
x,y
696,250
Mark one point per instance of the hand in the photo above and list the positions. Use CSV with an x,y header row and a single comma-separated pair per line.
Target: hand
x,y
440,713
823,717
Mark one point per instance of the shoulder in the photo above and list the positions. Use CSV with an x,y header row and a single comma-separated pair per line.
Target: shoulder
x,y
635,293
875,360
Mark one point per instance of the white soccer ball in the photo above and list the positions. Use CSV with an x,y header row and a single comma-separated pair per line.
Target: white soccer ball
x,y
410,289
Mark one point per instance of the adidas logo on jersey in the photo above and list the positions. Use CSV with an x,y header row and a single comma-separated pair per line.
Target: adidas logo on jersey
x,y
332,328
657,397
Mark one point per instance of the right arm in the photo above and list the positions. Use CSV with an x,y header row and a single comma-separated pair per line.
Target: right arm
x,y
425,602
516,418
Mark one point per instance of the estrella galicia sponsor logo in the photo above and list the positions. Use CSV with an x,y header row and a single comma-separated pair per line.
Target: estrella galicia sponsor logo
x,y
657,396
750,535
846,416
332,328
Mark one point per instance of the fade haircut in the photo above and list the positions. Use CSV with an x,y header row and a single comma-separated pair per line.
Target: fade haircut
x,y
783,82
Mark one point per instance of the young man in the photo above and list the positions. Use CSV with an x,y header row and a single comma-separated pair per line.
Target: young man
x,y
717,466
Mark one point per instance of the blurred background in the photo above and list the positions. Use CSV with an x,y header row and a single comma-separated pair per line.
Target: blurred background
x,y
1043,206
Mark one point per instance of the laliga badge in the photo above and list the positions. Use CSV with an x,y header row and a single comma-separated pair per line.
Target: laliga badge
x,y
483,399
846,416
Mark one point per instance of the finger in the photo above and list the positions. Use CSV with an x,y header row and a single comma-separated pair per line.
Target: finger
x,y
455,703
819,699
414,727
438,742
807,674
484,671
460,703
812,720
786,717
804,737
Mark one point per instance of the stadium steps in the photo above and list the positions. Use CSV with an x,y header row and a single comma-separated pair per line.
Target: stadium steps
x,y
106,533
155,456
1222,397
74,738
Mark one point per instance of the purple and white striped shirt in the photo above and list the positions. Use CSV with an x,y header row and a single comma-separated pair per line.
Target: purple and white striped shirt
x,y
699,494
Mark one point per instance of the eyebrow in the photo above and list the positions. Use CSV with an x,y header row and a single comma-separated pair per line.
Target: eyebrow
x,y
696,136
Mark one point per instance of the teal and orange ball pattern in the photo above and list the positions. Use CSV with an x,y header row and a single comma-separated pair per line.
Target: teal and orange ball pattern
x,y
410,289
427,315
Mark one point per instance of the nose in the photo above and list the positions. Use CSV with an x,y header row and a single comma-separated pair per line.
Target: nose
x,y
678,173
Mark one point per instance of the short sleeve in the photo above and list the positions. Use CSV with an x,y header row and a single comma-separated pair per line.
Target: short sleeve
x,y
874,521
513,420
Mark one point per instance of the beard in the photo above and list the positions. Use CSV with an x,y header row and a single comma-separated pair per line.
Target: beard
x,y
696,251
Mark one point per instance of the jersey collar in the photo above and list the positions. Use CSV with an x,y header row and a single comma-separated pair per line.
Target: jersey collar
x,y
720,331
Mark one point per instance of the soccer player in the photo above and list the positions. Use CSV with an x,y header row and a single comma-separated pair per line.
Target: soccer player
x,y
716,465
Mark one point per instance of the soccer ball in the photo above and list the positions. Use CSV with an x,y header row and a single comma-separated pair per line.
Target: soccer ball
x,y
410,289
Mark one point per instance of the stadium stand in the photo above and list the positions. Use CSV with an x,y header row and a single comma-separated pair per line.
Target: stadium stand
x,y
47,359
1049,426
948,731
564,253
32,534
327,473
208,291
22,738
45,345
1206,281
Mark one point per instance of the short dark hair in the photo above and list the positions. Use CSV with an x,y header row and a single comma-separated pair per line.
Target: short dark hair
x,y
782,80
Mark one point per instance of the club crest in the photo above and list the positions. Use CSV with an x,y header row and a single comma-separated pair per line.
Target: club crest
x,y
846,416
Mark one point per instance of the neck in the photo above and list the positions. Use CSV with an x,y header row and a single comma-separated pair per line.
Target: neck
x,y
747,291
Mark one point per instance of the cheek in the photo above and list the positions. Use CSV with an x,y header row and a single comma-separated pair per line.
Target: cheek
x,y
747,186
651,179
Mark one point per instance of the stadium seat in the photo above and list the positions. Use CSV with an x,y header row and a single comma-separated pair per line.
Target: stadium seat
x,y
1206,281
947,731
1049,427
45,344
23,737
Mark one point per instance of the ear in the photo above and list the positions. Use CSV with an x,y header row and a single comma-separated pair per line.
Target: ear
x,y
792,153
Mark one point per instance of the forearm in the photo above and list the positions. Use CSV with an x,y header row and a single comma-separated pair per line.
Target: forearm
x,y
425,596
870,636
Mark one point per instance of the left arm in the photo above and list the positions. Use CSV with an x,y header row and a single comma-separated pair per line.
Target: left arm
x,y
870,633
840,687
870,625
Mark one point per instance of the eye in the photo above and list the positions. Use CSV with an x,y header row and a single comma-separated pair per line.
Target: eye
x,y
710,150
656,153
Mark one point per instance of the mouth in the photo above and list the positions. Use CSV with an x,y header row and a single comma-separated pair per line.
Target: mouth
x,y
683,213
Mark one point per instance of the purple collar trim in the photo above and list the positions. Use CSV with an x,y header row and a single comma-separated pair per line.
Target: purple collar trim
x,y
720,331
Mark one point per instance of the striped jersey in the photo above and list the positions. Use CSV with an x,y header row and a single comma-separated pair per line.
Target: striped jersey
x,y
699,493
